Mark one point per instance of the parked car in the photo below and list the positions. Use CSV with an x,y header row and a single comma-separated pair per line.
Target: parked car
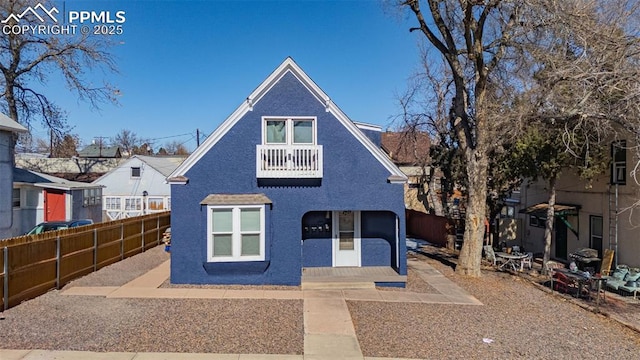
x,y
58,225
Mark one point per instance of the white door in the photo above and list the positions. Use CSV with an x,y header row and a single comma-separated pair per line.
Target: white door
x,y
346,238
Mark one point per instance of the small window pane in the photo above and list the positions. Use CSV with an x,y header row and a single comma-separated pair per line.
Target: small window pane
x,y
249,219
135,172
276,132
250,245
303,132
596,226
222,220
16,197
346,241
222,245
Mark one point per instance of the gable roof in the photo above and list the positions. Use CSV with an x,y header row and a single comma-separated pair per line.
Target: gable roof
x,y
287,66
97,151
165,165
406,148
8,124
48,181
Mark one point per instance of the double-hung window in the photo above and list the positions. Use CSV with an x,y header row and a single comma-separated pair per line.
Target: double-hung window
x,y
235,233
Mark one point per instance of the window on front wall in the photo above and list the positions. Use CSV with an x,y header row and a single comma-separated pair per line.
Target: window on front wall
x,y
133,204
135,172
289,131
16,198
112,203
235,233
92,196
156,204
537,221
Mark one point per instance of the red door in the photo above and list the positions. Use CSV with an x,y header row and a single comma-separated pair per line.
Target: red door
x,y
54,205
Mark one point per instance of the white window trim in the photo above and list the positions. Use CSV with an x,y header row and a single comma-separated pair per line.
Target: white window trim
x,y
139,170
236,239
107,202
289,124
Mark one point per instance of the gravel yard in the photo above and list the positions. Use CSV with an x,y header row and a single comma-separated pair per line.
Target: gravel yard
x,y
520,321
517,321
93,323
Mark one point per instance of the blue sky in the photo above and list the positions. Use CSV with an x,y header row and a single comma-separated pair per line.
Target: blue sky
x,y
186,65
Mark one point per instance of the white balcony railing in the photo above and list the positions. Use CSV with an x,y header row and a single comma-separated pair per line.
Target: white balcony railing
x,y
289,161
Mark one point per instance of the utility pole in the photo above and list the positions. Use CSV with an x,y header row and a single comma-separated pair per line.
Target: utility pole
x,y
197,137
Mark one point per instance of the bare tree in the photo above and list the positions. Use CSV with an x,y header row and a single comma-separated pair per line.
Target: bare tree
x,y
570,62
472,37
585,86
126,140
65,147
175,148
29,59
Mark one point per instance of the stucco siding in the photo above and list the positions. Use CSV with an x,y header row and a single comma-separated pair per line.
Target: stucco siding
x,y
353,180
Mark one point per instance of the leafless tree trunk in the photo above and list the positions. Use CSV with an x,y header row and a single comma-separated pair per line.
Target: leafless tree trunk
x,y
457,30
548,227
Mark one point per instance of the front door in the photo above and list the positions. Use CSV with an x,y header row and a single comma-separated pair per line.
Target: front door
x,y
346,238
54,205
561,239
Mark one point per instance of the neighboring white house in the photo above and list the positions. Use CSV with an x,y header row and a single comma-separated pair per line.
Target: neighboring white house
x,y
138,186
38,197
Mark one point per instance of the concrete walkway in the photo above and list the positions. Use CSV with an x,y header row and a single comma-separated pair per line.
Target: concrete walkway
x,y
328,329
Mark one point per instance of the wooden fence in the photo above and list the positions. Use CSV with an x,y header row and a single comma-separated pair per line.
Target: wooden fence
x,y
427,227
32,265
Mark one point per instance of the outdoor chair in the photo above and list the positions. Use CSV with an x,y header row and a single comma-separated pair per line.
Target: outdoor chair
x,y
491,255
528,261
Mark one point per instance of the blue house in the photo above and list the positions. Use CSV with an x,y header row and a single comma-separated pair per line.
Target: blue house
x,y
286,183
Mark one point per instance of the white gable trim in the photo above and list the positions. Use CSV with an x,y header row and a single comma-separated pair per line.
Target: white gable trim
x,y
288,66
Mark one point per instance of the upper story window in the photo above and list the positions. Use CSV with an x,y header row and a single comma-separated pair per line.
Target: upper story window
x,y
16,197
135,172
289,131
619,162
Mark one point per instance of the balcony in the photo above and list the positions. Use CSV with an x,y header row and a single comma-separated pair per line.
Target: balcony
x,y
289,161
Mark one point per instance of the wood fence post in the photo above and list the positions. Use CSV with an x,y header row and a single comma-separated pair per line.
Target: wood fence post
x,y
158,227
142,237
6,277
95,249
57,262
121,240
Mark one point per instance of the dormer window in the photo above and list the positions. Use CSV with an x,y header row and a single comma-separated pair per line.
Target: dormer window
x,y
289,131
289,148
